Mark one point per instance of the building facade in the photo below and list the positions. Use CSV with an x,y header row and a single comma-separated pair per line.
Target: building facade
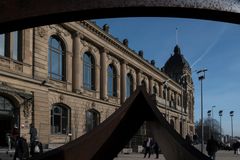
x,y
68,78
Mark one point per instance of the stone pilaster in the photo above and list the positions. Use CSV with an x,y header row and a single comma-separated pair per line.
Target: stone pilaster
x,y
104,84
123,81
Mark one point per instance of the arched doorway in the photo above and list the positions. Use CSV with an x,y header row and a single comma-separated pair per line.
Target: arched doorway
x,y
9,119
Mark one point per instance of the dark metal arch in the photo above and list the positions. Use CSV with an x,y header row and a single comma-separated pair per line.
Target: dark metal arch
x,y
17,14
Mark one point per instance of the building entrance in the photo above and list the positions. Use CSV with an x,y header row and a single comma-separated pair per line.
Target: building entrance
x,y
9,121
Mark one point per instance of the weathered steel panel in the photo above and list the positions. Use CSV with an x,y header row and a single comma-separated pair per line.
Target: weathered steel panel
x,y
19,14
107,140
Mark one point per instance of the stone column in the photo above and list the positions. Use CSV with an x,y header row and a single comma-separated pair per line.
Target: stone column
x,y
77,80
123,81
103,75
97,80
118,84
69,70
134,82
151,85
139,78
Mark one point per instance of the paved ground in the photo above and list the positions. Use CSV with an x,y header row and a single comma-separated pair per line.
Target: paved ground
x,y
221,155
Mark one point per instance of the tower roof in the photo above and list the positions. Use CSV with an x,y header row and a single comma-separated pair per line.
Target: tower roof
x,y
176,61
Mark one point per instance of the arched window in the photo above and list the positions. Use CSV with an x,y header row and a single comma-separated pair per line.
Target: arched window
x,y
181,128
92,119
164,93
112,81
88,71
129,89
154,90
143,83
56,59
60,119
172,123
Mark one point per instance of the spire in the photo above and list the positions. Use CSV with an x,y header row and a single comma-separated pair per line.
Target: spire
x,y
177,50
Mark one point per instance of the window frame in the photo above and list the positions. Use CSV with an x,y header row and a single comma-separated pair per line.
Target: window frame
x,y
129,85
88,71
68,119
112,90
94,121
60,52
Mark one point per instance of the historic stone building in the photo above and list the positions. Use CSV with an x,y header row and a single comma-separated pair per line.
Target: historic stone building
x,y
68,78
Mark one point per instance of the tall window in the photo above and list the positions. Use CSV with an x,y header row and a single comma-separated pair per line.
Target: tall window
x,y
154,90
92,119
129,86
60,119
88,71
143,84
172,123
2,44
11,45
16,46
56,59
112,81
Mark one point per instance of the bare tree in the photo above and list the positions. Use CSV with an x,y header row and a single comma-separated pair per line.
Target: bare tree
x,y
211,127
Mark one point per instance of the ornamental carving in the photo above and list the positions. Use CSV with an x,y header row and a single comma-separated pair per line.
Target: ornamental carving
x,y
60,30
112,59
27,105
42,31
61,97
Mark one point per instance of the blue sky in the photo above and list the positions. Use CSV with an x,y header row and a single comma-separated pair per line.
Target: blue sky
x,y
205,44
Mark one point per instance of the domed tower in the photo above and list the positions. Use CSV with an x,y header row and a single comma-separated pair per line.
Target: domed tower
x,y
178,69
177,66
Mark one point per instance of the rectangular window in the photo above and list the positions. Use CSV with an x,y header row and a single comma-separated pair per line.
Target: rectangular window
x,y
2,44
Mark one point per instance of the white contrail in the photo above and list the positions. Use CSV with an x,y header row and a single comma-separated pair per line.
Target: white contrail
x,y
210,46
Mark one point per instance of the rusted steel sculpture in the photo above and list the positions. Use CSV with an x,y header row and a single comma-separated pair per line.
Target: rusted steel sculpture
x,y
107,140
19,14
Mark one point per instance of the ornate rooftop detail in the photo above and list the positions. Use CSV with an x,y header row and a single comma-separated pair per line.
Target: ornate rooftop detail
x,y
176,65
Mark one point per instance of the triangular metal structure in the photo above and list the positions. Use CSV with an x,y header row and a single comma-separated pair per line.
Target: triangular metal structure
x,y
106,140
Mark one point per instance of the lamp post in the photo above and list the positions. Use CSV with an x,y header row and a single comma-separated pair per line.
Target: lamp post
x,y
220,115
209,115
231,115
165,89
182,83
201,78
212,124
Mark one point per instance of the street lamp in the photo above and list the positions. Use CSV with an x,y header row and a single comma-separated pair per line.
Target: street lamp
x,y
165,89
182,83
212,124
209,115
220,115
231,114
201,78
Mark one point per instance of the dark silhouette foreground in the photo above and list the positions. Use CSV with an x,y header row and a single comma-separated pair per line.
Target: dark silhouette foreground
x,y
106,140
